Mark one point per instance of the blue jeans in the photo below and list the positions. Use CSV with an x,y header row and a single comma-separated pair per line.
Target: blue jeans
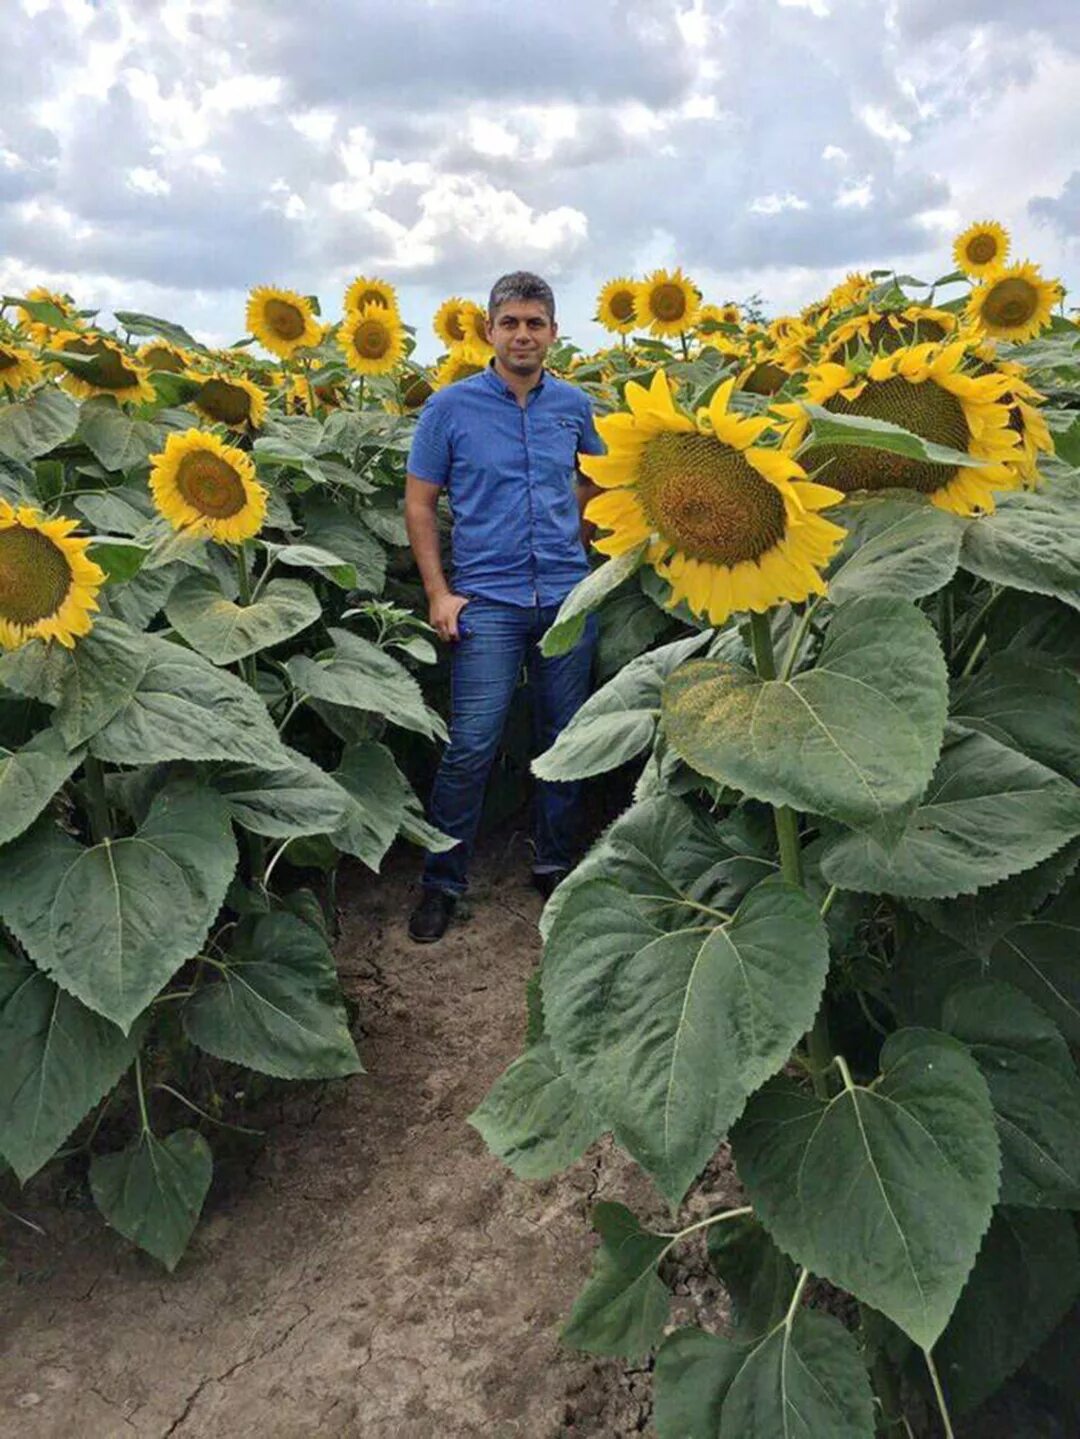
x,y
485,668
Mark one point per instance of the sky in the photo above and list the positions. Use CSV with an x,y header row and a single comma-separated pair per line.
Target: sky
x,y
166,157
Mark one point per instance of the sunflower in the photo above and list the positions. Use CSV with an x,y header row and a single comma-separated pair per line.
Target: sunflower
x,y
462,361
282,321
38,330
765,375
364,291
159,355
1025,418
18,368
415,387
886,330
372,339
447,322
925,390
107,370
1013,303
730,313
852,290
230,400
474,321
48,586
981,248
201,484
615,306
667,302
729,524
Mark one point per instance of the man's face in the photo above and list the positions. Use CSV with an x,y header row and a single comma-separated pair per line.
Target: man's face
x,y
521,335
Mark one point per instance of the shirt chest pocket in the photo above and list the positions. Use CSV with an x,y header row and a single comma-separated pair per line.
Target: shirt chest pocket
x,y
558,444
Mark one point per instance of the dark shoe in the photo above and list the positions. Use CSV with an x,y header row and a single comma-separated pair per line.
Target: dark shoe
x,y
545,880
429,919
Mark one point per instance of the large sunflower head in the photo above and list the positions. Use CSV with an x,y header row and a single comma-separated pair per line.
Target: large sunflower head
x,y
981,248
282,321
373,340
615,306
160,355
730,524
1013,303
18,368
48,586
100,367
926,390
462,361
201,484
447,322
667,302
367,291
230,400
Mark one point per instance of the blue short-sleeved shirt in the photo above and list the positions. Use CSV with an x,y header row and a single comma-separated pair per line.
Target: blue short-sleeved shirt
x,y
509,472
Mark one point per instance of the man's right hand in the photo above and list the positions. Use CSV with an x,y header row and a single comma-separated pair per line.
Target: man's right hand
x,y
444,613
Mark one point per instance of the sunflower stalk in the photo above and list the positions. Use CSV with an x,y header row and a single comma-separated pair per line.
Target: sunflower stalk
x,y
818,1047
97,803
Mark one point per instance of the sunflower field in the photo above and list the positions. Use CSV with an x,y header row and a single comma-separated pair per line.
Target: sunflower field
x,y
838,569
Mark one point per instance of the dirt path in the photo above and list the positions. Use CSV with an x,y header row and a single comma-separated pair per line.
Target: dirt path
x,y
380,1275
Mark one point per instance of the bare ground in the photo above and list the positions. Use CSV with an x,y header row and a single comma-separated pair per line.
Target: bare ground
x,y
379,1274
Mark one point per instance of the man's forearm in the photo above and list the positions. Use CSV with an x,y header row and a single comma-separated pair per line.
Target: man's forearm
x,y
422,526
586,491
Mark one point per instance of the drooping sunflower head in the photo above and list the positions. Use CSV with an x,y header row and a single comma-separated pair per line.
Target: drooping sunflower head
x,y
1013,303
981,248
65,317
368,291
731,525
230,400
615,306
48,586
373,340
765,375
854,289
18,368
201,484
282,321
924,389
462,361
160,355
667,302
415,388
98,366
883,331
447,322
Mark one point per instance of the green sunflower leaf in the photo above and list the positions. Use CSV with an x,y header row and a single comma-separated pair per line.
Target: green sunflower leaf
x,y
988,813
619,721
624,1307
361,676
666,1022
137,323
1033,1087
897,545
294,798
113,922
376,798
277,1005
331,527
1039,957
115,438
1032,706
533,1119
587,595
853,738
29,777
224,631
60,1059
928,1114
1025,1278
152,1192
1031,542
32,427
861,430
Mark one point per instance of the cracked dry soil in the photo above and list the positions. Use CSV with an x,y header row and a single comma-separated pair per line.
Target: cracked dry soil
x,y
378,1274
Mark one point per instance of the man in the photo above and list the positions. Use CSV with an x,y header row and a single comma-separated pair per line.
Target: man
x,y
503,444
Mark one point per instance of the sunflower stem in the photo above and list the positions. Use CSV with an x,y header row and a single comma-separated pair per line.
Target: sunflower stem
x,y
685,346
243,577
96,802
818,1047
141,1094
943,1408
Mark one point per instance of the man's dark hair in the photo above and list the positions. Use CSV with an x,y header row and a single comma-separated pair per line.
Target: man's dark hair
x,y
521,285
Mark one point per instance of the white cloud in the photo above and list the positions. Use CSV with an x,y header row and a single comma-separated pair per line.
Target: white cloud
x,y
820,8
855,196
835,152
880,123
145,181
776,204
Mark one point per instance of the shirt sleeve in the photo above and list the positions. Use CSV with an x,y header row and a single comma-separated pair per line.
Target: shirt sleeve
x,y
590,443
430,453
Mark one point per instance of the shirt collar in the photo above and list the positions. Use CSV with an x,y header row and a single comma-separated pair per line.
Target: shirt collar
x,y
500,386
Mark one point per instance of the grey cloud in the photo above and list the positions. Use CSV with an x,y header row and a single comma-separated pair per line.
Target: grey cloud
x,y
1062,212
919,20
